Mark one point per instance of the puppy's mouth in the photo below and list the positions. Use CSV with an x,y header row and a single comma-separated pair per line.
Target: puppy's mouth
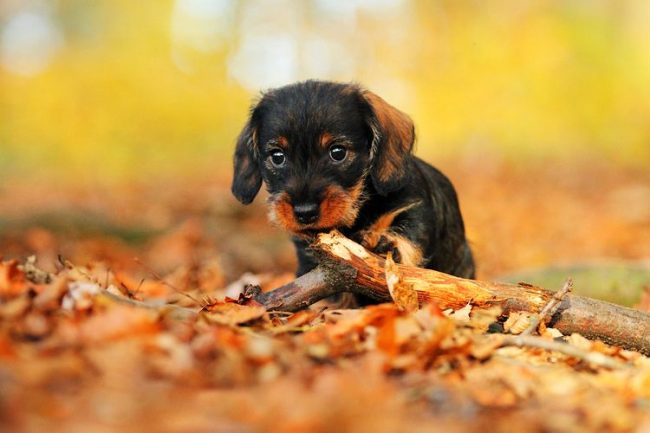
x,y
338,208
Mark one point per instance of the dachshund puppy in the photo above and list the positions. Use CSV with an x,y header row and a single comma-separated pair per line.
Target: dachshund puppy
x,y
338,156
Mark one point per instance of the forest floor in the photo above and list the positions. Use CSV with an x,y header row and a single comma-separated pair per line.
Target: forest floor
x,y
72,358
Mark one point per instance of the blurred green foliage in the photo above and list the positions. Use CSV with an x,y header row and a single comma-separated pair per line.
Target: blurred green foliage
x,y
124,96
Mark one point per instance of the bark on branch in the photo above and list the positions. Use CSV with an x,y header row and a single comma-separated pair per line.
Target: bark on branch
x,y
346,266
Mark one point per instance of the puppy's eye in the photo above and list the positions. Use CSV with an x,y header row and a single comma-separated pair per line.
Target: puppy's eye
x,y
338,153
277,158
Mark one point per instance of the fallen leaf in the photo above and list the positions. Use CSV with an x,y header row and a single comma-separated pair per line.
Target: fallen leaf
x,y
15,308
579,341
117,322
231,313
80,295
12,280
517,322
51,297
552,333
296,321
34,326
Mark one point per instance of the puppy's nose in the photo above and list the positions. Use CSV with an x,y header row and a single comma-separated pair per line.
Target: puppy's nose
x,y
306,213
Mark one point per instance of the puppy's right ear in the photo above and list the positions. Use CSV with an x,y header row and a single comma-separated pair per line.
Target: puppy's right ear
x,y
247,178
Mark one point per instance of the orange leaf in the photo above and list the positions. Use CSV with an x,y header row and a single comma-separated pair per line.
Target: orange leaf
x,y
231,313
12,279
118,322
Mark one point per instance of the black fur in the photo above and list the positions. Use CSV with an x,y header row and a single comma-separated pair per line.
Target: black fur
x,y
295,117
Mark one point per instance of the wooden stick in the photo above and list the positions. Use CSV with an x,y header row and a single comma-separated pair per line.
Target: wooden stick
x,y
549,308
346,266
176,311
594,358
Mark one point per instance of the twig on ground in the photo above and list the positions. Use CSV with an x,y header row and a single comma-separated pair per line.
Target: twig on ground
x,y
594,358
183,312
161,280
549,308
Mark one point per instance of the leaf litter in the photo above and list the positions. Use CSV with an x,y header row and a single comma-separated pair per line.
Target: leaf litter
x,y
76,355
102,344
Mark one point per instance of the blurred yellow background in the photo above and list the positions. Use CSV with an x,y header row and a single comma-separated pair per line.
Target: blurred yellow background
x,y
116,89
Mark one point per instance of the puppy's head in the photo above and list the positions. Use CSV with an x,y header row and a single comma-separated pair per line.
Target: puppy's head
x,y
314,144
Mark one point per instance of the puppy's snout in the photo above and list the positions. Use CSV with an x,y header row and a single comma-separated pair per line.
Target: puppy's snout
x,y
306,213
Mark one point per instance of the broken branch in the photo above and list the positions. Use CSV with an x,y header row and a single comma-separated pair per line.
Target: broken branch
x,y
346,266
549,308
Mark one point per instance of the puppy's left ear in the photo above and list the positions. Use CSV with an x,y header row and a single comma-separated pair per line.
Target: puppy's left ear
x,y
247,178
393,135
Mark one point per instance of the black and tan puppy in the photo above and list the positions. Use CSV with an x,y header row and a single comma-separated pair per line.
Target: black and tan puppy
x,y
337,156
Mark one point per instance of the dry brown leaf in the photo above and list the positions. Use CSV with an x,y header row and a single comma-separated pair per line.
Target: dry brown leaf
x,y
484,347
51,296
34,326
12,279
551,333
579,341
231,313
15,308
386,336
80,295
117,322
296,321
144,287
335,316
7,349
517,322
482,318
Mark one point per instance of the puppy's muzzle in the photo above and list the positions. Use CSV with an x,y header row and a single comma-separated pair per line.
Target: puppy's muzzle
x,y
306,213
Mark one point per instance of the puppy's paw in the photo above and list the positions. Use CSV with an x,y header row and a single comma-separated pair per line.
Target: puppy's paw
x,y
382,242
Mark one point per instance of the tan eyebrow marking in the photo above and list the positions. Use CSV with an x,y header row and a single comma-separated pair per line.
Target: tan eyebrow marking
x,y
325,139
282,142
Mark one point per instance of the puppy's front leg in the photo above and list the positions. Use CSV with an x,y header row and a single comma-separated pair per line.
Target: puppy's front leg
x,y
306,260
397,233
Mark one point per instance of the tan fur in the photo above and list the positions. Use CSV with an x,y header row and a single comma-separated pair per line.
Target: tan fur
x,y
325,140
385,221
410,254
338,208
283,143
281,212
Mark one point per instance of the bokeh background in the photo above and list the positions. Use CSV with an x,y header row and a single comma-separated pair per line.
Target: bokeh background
x,y
118,118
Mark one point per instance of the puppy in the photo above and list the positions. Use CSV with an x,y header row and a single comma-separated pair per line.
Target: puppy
x,y
338,156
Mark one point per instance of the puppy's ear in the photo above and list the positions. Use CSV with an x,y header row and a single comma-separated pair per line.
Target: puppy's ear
x,y
247,178
393,135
